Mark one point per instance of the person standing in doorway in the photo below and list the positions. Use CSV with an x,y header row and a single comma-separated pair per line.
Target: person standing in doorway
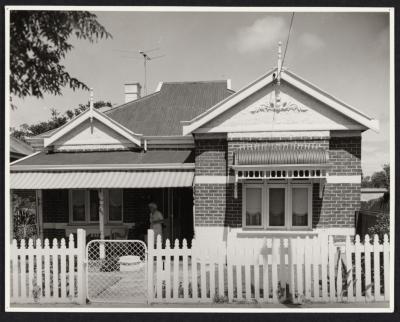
x,y
156,220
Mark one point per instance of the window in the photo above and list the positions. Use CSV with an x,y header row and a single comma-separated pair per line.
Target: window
x,y
78,205
84,205
277,205
94,205
253,206
300,207
115,205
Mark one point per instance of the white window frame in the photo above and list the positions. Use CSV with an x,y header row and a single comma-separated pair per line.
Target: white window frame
x,y
288,186
253,186
266,197
70,206
107,206
309,187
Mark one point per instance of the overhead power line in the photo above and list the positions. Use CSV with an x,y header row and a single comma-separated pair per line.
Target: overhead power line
x,y
287,42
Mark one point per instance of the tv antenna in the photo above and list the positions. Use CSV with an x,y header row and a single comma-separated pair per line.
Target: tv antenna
x,y
146,58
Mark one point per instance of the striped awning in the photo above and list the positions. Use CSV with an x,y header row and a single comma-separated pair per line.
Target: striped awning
x,y
281,156
100,179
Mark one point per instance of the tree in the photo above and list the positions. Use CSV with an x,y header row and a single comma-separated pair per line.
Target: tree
x,y
379,179
57,119
39,40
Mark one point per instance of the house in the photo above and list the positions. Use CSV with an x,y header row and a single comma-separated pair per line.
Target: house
x,y
18,149
280,156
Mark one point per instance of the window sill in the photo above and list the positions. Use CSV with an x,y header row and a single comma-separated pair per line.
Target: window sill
x,y
261,232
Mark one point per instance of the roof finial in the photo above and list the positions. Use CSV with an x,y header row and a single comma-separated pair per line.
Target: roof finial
x,y
91,99
279,58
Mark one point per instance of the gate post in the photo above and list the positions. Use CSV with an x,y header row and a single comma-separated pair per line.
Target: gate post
x,y
150,265
81,265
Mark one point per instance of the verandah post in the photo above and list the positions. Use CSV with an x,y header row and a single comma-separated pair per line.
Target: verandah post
x,y
101,221
81,265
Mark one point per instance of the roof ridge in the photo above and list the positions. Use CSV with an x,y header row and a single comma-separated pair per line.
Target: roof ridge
x,y
199,81
136,100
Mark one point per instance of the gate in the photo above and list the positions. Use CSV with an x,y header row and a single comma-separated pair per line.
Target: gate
x,y
116,271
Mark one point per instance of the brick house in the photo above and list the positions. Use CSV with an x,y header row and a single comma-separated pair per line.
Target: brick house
x,y
279,156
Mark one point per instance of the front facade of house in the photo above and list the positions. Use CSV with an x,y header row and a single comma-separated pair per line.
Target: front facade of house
x,y
280,156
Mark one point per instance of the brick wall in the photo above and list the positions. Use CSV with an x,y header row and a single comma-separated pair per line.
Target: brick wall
x,y
345,155
216,206
210,157
338,205
55,206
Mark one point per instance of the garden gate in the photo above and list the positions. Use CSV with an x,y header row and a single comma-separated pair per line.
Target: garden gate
x,y
116,271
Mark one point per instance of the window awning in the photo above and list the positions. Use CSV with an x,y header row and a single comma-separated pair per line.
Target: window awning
x,y
100,179
271,163
281,156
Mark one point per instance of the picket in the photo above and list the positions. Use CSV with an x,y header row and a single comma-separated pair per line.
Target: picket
x,y
357,247
349,268
176,271
386,266
367,256
185,284
39,272
377,275
331,260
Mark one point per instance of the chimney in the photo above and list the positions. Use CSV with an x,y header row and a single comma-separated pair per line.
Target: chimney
x,y
132,91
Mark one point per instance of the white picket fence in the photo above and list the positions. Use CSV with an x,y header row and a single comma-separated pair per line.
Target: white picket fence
x,y
269,270
44,274
308,269
249,269
181,274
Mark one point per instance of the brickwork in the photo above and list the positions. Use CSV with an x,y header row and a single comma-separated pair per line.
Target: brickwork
x,y
345,155
210,157
338,206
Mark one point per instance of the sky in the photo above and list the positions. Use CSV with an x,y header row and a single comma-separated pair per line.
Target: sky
x,y
345,54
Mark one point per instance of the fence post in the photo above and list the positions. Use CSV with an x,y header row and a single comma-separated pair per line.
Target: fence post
x,y
150,264
81,265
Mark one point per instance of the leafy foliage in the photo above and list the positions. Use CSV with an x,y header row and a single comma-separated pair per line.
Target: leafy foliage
x,y
24,217
379,179
381,227
39,41
57,119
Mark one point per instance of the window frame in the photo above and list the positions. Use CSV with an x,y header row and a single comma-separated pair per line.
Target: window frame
x,y
244,194
70,206
87,220
268,188
107,206
288,186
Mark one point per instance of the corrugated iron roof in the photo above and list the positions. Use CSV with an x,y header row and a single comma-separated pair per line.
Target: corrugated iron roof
x,y
160,113
19,147
100,179
278,156
108,157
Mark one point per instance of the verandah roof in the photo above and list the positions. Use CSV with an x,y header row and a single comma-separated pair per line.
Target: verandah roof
x,y
101,179
104,169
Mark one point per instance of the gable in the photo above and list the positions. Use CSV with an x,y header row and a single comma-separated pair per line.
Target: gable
x,y
320,110
92,130
298,111
92,135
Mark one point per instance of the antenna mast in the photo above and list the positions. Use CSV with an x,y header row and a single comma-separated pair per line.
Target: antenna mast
x,y
146,58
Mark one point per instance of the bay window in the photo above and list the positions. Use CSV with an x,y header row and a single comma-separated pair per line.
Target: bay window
x,y
274,206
